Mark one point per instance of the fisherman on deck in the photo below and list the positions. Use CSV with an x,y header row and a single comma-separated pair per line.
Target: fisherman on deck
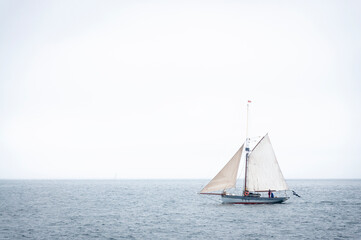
x,y
269,193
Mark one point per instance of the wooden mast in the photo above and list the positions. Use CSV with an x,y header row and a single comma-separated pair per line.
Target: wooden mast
x,y
247,151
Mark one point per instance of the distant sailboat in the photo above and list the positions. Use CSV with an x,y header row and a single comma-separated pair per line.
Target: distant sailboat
x,y
262,174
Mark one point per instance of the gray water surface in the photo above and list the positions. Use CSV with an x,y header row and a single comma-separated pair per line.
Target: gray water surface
x,y
172,209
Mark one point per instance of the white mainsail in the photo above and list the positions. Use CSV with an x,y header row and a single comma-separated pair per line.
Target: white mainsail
x,y
263,171
227,177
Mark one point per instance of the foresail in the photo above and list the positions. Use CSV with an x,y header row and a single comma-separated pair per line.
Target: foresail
x,y
263,171
227,177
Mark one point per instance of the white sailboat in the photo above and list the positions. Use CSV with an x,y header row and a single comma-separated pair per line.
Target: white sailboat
x,y
262,175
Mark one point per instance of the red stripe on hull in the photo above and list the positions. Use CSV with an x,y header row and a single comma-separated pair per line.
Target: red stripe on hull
x,y
251,203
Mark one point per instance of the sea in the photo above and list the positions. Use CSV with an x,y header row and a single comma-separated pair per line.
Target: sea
x,y
172,209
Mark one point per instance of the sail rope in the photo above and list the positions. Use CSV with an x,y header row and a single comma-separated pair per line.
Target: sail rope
x,y
212,198
241,170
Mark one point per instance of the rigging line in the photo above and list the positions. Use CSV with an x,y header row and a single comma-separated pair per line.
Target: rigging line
x,y
243,159
258,143
210,197
241,169
240,172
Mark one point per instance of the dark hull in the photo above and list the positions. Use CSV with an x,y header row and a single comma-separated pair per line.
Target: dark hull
x,y
236,199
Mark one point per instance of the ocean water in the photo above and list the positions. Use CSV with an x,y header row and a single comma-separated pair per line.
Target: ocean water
x,y
172,209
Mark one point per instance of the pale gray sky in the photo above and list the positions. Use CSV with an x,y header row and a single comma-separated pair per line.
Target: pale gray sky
x,y
158,89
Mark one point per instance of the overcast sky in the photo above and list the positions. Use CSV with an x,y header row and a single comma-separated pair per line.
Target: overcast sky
x,y
158,89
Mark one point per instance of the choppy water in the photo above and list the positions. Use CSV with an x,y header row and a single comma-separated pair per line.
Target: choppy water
x,y
172,209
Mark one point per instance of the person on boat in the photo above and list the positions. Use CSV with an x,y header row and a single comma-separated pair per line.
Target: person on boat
x,y
272,196
269,193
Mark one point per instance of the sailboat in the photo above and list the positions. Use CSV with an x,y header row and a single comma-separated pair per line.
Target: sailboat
x,y
262,175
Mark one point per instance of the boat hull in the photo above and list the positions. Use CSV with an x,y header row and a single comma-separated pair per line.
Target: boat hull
x,y
236,199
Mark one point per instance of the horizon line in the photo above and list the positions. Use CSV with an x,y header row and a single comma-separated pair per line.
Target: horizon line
x,y
104,179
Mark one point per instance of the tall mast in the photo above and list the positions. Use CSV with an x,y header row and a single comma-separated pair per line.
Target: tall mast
x,y
247,149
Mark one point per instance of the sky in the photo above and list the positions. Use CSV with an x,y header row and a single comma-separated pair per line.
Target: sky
x,y
158,89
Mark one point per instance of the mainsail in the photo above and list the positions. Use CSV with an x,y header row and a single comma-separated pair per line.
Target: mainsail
x,y
227,177
263,171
